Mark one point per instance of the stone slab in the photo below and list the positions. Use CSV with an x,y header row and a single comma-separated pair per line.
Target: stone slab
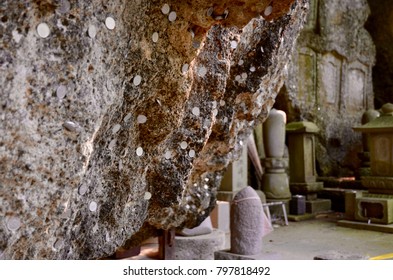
x,y
340,256
305,188
365,226
226,255
200,247
220,216
318,206
299,218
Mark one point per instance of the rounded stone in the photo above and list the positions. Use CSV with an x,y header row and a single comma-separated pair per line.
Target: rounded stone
x,y
154,37
172,16
139,151
110,23
13,223
252,69
241,62
244,76
93,206
137,80
268,11
215,112
214,104
61,92
116,128
246,216
92,31
191,153
165,9
195,111
43,30
141,119
222,103
183,145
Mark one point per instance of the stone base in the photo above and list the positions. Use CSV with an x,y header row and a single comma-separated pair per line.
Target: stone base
x,y
366,226
220,216
342,183
305,188
318,206
225,195
374,209
340,256
200,247
227,255
378,184
299,218
336,196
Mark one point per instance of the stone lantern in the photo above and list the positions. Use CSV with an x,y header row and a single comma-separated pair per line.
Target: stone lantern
x,y
376,205
301,147
302,170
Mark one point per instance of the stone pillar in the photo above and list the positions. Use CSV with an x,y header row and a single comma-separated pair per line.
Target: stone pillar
x,y
364,156
301,145
235,177
275,181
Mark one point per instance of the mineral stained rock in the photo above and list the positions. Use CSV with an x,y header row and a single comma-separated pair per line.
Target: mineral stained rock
x,y
119,116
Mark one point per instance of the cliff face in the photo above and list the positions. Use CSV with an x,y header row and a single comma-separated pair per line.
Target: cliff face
x,y
120,115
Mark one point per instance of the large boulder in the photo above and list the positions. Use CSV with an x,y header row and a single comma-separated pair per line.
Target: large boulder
x,y
119,117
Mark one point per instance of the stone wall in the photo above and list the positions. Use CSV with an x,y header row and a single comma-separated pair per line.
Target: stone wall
x,y
329,81
380,26
120,116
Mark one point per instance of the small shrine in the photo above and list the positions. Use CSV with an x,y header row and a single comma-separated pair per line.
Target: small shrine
x,y
376,205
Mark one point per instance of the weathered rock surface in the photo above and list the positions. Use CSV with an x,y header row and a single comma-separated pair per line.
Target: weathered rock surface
x,y
119,116
380,26
329,81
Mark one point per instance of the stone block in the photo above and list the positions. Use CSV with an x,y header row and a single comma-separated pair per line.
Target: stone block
x,y
201,247
220,216
297,205
340,256
374,209
226,255
318,206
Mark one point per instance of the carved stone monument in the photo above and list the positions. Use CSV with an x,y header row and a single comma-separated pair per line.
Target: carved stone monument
x,y
235,177
364,156
303,174
275,182
376,205
329,80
